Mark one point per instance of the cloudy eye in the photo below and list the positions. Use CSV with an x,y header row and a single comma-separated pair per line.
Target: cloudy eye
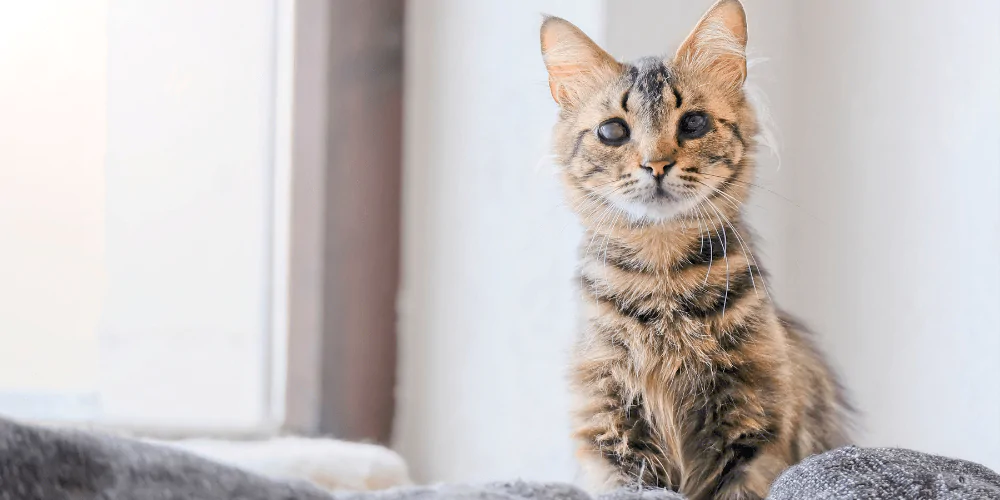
x,y
613,132
693,125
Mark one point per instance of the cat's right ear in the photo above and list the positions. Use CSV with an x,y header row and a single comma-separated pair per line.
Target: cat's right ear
x,y
576,65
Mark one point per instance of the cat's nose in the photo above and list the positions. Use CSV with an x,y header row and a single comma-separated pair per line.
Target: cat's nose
x,y
658,168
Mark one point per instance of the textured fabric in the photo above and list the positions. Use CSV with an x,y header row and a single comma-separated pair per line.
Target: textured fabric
x,y
508,491
852,473
53,464
48,464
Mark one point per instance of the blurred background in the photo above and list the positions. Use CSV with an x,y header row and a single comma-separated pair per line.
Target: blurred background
x,y
241,218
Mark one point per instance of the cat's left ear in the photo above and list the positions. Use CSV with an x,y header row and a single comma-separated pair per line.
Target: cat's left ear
x,y
577,66
718,43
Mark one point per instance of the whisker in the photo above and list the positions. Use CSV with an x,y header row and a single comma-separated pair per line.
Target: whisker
x,y
609,209
742,241
599,186
607,236
711,249
779,195
597,225
589,203
725,256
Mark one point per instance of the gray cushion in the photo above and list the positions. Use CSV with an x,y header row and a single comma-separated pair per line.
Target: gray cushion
x,y
47,464
885,473
52,464
517,490
39,463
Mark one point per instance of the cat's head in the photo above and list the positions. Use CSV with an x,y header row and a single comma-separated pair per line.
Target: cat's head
x,y
657,137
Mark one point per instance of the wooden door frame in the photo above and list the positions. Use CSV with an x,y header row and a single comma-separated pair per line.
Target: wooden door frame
x,y
344,257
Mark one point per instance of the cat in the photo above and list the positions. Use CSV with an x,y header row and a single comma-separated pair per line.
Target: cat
x,y
689,377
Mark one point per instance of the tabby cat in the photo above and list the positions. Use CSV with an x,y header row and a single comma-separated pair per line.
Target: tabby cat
x,y
689,376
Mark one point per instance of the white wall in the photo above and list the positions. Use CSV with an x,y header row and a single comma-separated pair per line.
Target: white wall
x,y
888,243
191,108
895,151
487,304
53,63
136,155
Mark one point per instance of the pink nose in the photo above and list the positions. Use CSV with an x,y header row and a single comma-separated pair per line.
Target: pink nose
x,y
658,168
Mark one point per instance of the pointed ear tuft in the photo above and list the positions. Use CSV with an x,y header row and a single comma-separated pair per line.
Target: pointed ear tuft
x,y
717,45
576,65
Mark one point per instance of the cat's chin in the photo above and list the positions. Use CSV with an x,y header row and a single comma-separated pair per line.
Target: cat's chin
x,y
651,212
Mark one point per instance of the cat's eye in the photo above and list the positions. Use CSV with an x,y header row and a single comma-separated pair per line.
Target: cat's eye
x,y
693,125
613,132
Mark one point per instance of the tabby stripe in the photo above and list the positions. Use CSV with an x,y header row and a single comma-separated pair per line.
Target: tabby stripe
x,y
716,417
719,297
627,308
720,159
594,170
633,74
796,436
579,140
677,96
736,131
621,258
741,453
650,81
712,247
641,444
709,248
738,335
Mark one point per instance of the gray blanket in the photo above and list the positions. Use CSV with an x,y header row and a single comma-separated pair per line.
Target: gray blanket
x,y
890,473
48,464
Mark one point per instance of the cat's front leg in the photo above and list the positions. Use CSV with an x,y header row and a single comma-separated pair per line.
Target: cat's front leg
x,y
737,479
617,446
733,452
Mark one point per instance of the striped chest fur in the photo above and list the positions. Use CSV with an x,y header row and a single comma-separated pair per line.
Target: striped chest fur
x,y
682,352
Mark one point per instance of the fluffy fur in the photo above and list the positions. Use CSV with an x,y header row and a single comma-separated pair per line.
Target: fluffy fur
x,y
328,463
689,377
